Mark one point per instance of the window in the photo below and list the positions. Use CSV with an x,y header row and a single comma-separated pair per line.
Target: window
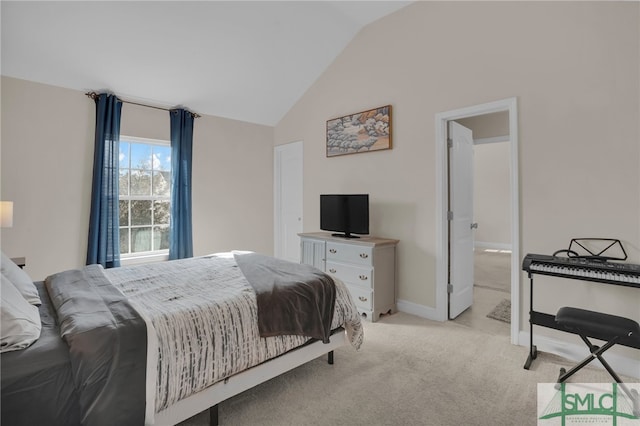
x,y
145,196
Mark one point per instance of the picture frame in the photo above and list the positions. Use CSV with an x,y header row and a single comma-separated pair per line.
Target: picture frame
x,y
360,132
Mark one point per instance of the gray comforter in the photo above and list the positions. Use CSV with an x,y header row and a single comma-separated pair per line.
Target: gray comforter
x,y
107,346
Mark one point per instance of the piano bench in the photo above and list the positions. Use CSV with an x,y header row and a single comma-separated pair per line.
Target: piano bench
x,y
597,323
610,328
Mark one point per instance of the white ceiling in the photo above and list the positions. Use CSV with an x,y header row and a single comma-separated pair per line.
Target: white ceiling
x,y
246,60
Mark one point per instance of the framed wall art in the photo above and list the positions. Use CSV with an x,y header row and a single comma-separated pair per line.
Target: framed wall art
x,y
360,132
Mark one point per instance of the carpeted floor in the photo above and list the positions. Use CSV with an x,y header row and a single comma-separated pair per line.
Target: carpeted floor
x,y
492,285
410,371
492,270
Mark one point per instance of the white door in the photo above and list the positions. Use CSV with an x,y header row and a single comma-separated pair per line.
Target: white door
x,y
461,224
288,200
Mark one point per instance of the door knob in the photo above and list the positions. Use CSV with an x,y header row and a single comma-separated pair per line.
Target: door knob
x,y
474,225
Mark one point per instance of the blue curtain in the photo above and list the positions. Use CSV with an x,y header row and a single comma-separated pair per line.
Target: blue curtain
x,y
104,235
180,232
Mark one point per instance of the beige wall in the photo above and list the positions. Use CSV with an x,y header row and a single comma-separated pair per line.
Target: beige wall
x,y
574,69
492,179
488,125
46,168
492,194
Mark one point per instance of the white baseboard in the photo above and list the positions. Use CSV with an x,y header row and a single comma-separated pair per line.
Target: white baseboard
x,y
418,310
621,364
493,246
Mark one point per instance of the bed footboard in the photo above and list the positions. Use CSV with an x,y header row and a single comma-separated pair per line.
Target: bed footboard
x,y
212,396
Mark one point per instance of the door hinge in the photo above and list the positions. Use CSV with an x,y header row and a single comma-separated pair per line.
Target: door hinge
x,y
449,143
449,215
449,288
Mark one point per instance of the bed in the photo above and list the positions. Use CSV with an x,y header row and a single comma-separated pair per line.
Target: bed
x,y
176,338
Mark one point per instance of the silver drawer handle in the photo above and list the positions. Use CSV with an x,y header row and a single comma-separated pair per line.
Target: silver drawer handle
x,y
364,255
333,251
364,277
333,271
362,298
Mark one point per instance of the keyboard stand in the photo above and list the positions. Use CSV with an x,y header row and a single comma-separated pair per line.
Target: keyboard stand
x,y
541,319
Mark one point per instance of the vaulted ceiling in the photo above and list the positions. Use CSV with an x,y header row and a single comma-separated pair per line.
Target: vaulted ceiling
x,y
245,60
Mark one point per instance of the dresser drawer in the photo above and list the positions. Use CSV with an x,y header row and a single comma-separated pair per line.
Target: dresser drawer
x,y
350,253
351,274
362,297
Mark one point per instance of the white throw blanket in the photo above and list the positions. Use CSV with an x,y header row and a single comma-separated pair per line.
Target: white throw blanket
x,y
205,317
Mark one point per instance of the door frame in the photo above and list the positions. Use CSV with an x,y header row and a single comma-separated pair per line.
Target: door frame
x,y
277,193
442,205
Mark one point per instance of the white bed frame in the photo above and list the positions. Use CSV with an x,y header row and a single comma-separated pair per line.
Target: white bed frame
x,y
247,379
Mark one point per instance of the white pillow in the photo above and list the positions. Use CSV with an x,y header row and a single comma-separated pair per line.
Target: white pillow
x,y
20,280
19,320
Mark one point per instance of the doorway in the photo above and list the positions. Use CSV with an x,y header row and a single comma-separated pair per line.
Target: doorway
x,y
491,304
479,113
287,183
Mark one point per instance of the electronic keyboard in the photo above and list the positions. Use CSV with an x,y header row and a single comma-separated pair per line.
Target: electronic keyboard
x,y
583,268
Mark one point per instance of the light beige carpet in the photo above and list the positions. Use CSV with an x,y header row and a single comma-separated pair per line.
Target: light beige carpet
x,y
492,270
410,371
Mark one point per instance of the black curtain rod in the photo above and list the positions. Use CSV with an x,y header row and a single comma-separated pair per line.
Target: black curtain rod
x,y
94,95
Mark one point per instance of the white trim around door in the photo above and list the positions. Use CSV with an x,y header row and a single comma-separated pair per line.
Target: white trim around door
x,y
442,205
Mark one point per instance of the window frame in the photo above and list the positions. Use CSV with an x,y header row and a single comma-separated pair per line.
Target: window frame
x,y
142,256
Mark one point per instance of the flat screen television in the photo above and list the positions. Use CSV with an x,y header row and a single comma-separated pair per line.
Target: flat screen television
x,y
344,214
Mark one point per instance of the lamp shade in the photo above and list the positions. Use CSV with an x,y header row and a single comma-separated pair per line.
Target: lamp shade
x,y
6,214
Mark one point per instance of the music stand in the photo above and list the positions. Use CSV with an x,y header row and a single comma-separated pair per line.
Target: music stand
x,y
601,249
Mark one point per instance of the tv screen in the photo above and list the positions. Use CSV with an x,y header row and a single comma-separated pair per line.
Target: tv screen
x,y
344,214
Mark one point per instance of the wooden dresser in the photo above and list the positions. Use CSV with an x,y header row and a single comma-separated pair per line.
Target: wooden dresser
x,y
367,265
